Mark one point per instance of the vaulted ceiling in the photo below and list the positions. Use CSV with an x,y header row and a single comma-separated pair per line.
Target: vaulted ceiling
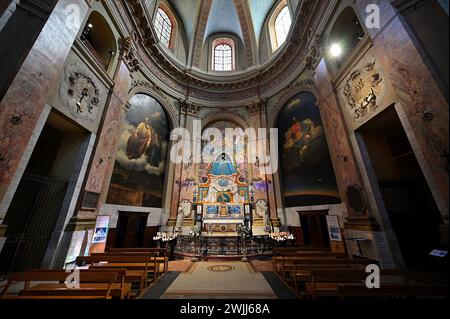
x,y
223,16
243,18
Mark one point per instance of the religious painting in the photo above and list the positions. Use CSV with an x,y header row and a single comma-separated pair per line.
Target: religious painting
x,y
218,161
306,168
139,170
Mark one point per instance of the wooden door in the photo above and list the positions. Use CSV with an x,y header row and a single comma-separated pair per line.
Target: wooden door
x,y
131,230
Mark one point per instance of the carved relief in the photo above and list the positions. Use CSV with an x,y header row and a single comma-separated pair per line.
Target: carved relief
x,y
129,55
80,93
361,91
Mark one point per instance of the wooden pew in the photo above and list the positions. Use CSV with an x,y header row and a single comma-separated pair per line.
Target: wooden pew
x,y
280,251
327,282
300,274
163,253
101,289
135,265
161,261
392,291
284,262
87,277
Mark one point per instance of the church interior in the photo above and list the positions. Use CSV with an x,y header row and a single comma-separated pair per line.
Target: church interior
x,y
224,149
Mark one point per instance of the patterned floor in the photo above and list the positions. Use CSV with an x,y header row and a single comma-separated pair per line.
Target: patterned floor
x,y
218,280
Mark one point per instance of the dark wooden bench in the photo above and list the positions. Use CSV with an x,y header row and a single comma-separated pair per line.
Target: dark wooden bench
x,y
135,265
91,285
162,253
392,291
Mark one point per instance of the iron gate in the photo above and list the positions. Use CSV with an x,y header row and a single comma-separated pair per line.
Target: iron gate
x,y
31,219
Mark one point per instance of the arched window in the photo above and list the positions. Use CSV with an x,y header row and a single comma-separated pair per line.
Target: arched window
x,y
282,25
223,54
279,25
163,27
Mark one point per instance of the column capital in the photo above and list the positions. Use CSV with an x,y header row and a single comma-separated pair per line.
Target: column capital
x,y
189,108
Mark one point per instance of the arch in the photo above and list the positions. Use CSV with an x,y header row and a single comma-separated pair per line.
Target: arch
x,y
235,118
346,33
279,24
171,112
294,90
223,54
99,38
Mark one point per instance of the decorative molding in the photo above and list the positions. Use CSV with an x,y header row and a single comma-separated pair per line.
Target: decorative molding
x,y
127,52
256,107
314,53
200,32
81,93
188,108
151,86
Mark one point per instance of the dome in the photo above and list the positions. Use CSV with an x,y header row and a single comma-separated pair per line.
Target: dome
x,y
221,37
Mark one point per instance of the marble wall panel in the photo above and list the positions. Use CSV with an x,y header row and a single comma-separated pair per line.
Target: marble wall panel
x,y
33,84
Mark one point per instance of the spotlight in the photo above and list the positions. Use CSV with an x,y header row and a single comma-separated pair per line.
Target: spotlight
x,y
336,50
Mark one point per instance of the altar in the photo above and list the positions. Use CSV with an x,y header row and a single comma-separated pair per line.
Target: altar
x,y
223,218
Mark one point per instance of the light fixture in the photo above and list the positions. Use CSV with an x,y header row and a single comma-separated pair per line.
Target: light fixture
x,y
336,50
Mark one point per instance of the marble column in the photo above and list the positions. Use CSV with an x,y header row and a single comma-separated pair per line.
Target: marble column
x,y
189,169
257,120
31,89
105,152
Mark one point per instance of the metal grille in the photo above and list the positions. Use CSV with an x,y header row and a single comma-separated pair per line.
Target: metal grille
x,y
31,219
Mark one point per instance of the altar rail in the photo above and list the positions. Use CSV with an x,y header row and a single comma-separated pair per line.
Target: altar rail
x,y
224,246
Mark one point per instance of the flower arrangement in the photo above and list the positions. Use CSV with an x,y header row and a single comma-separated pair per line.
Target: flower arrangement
x,y
196,231
244,231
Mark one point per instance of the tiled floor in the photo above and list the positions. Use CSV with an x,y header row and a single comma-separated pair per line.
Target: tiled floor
x,y
223,280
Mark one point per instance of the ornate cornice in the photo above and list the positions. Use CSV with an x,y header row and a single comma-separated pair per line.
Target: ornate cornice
x,y
257,107
127,52
188,108
150,86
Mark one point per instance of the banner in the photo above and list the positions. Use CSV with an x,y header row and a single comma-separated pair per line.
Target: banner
x,y
101,229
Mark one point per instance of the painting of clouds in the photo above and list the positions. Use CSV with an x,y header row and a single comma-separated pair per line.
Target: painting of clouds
x,y
306,167
139,170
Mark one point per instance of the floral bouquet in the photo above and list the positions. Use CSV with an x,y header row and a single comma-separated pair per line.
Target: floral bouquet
x,y
196,231
244,231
